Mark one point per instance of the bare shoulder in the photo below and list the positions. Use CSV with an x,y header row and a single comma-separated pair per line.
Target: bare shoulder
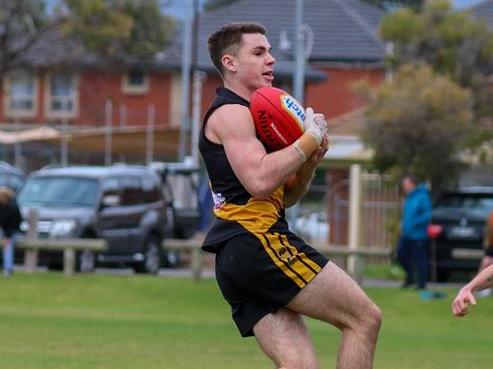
x,y
231,120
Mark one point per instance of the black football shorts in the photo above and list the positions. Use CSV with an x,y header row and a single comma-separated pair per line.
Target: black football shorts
x,y
259,273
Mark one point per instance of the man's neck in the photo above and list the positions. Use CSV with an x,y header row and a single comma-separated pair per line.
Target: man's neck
x,y
238,89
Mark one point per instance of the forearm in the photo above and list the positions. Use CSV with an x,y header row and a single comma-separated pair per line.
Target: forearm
x,y
297,186
273,170
483,280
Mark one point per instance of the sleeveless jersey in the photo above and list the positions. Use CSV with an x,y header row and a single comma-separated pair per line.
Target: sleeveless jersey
x,y
236,211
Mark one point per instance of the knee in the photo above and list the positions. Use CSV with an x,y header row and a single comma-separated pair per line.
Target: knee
x,y
372,319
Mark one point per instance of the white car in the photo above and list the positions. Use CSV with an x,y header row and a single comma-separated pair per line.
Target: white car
x,y
313,227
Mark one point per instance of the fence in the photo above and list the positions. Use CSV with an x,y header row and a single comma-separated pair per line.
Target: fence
x,y
375,207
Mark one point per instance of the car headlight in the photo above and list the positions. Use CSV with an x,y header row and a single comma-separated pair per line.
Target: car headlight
x,y
63,227
24,226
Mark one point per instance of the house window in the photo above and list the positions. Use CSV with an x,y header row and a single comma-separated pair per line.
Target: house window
x,y
135,82
61,95
21,95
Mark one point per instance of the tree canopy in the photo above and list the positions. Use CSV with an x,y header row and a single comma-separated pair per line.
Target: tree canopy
x,y
417,123
22,23
119,28
453,42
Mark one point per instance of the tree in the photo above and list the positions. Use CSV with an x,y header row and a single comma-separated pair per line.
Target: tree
x,y
214,4
119,28
453,43
417,123
22,22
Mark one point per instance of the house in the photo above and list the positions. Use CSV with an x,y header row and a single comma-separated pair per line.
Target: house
x,y
58,80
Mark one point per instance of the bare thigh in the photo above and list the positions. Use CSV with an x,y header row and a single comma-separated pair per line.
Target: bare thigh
x,y
284,338
334,297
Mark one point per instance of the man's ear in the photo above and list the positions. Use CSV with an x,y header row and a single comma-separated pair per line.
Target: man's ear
x,y
229,62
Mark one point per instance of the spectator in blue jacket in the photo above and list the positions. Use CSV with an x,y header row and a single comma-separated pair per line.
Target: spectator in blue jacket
x,y
413,248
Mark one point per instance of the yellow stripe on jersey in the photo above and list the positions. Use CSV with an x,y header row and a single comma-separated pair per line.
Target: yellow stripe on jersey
x,y
257,216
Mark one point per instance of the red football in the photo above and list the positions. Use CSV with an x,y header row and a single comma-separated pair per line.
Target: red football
x,y
279,118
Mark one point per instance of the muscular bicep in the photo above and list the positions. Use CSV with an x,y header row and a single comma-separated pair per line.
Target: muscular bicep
x,y
260,173
244,151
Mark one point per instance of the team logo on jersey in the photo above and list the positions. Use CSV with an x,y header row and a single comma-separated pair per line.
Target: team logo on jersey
x,y
219,200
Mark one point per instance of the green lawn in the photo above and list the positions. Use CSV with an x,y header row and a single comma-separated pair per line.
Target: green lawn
x,y
49,321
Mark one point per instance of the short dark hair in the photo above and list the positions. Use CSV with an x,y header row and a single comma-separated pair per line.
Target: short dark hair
x,y
228,38
411,177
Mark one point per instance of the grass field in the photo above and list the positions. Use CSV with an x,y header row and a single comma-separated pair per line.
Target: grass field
x,y
94,321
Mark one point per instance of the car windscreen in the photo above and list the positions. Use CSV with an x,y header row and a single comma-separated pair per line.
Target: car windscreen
x,y
475,201
59,192
11,180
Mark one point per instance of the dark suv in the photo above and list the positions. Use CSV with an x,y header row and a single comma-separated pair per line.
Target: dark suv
x,y
121,203
462,213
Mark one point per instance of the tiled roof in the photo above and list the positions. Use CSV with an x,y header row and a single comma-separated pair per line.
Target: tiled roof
x,y
484,10
54,50
344,30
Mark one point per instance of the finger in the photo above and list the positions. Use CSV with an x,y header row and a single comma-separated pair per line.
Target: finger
x,y
459,305
309,114
472,299
460,311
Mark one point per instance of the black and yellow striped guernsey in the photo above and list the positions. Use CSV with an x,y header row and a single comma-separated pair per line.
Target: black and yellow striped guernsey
x,y
237,212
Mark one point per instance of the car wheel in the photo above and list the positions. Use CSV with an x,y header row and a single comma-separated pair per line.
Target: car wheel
x,y
152,260
86,261
172,258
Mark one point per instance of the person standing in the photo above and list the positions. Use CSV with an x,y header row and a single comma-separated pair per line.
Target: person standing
x,y
269,276
10,220
413,248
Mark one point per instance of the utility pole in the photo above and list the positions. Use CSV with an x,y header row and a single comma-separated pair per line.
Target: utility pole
x,y
299,75
299,84
186,62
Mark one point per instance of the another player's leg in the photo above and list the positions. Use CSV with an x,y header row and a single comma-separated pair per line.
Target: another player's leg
x,y
284,338
334,297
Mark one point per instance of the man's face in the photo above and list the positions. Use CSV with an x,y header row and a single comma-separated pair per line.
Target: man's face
x,y
408,185
254,61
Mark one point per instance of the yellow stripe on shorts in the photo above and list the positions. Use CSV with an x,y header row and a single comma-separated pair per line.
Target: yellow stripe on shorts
x,y
297,266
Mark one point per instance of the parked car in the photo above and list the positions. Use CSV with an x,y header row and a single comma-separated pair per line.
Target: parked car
x,y
180,185
462,214
313,227
10,176
122,204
